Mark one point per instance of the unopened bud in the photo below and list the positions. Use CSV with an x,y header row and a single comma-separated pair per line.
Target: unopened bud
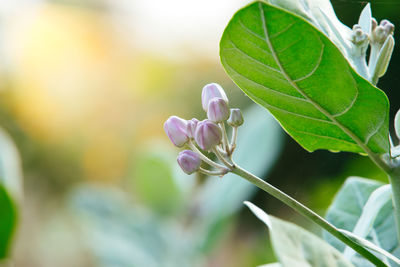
x,y
175,128
384,56
388,26
236,117
211,91
374,24
208,134
380,33
359,37
189,161
218,110
191,127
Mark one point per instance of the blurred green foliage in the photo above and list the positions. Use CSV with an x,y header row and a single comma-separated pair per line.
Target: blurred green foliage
x,y
8,218
92,123
153,182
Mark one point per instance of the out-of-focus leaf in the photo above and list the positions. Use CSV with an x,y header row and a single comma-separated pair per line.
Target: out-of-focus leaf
x,y
258,146
286,65
294,246
347,208
368,244
10,191
153,180
378,199
8,217
276,264
120,234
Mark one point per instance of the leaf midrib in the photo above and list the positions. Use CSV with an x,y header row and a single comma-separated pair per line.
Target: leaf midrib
x,y
295,86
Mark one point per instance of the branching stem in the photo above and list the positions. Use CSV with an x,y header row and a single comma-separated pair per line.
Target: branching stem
x,y
306,212
205,158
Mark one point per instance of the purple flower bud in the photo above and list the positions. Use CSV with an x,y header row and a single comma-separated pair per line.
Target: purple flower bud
x,y
208,134
209,92
175,128
191,127
218,110
189,161
236,117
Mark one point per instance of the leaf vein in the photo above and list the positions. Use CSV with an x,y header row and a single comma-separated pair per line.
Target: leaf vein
x,y
289,46
270,89
250,31
347,131
323,136
368,138
349,107
258,61
315,67
282,31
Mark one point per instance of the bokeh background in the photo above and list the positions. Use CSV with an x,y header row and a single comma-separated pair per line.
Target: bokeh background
x,y
85,86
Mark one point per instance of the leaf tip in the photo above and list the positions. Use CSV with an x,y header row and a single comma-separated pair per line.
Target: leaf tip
x,y
259,213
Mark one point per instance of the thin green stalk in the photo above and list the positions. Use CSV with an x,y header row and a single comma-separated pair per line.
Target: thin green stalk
x,y
224,137
305,211
392,169
205,158
394,179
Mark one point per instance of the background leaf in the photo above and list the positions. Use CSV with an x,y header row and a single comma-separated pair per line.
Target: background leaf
x,y
289,67
120,234
347,208
10,191
155,169
295,246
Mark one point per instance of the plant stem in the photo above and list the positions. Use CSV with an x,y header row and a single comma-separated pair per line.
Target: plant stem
x,y
205,158
392,169
222,158
233,141
224,137
213,173
305,211
394,179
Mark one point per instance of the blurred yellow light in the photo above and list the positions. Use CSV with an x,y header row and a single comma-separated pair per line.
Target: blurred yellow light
x,y
65,60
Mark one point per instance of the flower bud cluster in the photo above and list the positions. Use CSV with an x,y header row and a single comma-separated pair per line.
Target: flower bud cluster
x,y
359,37
208,134
360,40
379,37
379,33
382,44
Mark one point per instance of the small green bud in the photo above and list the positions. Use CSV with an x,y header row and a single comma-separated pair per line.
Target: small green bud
x,y
235,118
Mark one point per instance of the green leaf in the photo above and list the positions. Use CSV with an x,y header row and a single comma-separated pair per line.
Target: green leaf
x,y
10,191
368,244
286,65
295,246
258,146
153,179
8,217
353,202
376,201
275,264
121,234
